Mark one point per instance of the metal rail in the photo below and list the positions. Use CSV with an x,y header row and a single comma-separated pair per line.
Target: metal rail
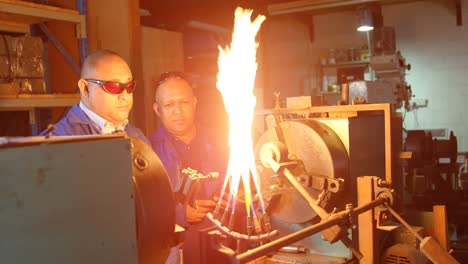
x,y
339,218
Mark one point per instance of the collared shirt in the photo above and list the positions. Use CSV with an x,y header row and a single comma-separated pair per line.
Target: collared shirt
x,y
204,153
105,126
76,122
191,154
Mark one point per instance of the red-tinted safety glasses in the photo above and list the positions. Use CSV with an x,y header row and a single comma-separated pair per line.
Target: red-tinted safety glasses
x,y
114,87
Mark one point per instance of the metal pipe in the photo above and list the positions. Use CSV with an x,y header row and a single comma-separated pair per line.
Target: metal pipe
x,y
306,232
208,27
83,42
305,194
294,249
402,221
284,241
228,231
311,5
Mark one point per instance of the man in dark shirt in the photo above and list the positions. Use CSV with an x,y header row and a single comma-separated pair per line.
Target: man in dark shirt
x,y
181,144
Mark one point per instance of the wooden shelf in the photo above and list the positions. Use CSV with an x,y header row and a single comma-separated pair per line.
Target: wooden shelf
x,y
16,16
348,64
29,101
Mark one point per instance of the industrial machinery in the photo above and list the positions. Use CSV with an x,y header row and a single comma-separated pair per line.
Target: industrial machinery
x,y
328,179
83,199
390,86
432,170
388,82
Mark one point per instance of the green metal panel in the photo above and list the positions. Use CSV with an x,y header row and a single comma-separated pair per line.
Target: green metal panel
x,y
69,202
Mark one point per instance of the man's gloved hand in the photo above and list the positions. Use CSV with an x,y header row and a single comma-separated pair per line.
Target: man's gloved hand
x,y
199,210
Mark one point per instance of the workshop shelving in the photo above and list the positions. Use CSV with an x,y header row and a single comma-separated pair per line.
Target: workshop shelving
x,y
28,101
18,16
348,64
333,75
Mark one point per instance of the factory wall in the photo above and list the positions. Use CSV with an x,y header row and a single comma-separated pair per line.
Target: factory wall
x,y
437,49
426,35
286,45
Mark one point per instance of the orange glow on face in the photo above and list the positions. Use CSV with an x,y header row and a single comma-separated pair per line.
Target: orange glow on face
x,y
236,77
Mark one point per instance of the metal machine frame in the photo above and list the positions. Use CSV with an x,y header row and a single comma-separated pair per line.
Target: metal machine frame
x,y
375,197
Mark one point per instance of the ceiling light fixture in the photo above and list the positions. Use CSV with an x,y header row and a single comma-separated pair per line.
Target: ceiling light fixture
x,y
365,20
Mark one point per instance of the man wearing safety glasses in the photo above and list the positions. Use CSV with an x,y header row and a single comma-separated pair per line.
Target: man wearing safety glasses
x,y
106,89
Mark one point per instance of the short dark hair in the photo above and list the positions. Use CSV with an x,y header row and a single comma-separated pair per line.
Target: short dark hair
x,y
172,74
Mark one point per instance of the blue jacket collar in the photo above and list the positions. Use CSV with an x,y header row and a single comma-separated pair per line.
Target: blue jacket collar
x,y
78,116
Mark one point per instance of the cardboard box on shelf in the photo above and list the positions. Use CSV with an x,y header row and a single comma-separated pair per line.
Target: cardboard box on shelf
x,y
23,86
35,86
23,46
20,67
9,88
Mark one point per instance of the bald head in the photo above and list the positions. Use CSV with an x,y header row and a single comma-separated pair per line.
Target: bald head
x,y
98,57
106,66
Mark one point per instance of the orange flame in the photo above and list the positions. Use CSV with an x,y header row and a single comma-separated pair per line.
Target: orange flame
x,y
237,68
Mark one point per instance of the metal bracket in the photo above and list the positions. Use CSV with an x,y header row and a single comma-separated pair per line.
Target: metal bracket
x,y
384,219
323,182
81,28
458,6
